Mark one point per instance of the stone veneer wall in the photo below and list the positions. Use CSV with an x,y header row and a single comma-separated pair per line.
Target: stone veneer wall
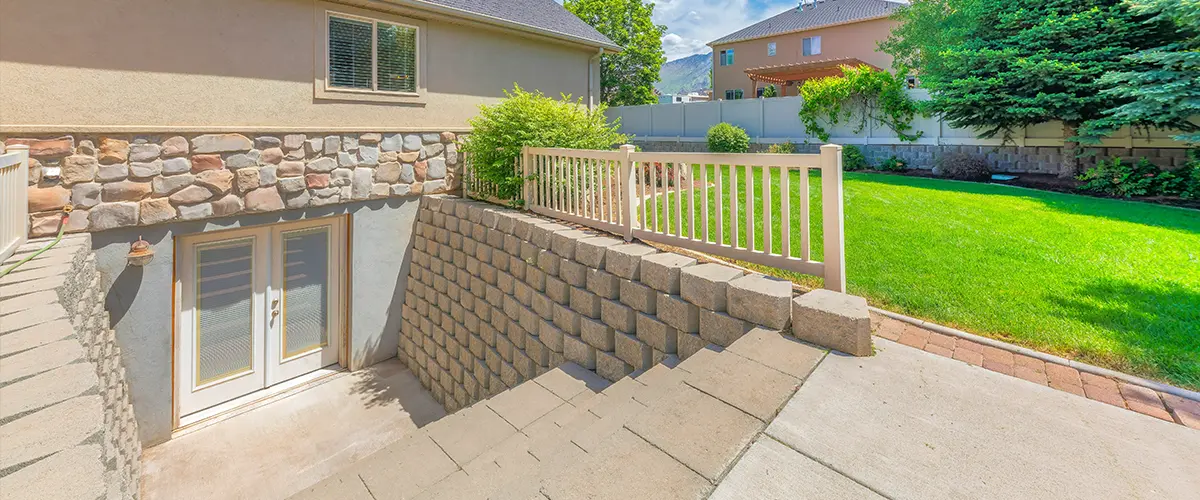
x,y
1012,159
497,296
120,180
74,430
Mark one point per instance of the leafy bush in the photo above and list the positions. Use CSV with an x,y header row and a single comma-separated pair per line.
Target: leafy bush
x,y
532,119
853,158
655,174
961,166
1119,179
785,147
770,91
893,164
726,138
1189,177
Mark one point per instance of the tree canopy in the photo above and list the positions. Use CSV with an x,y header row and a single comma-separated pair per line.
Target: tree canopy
x,y
1000,65
1163,87
626,78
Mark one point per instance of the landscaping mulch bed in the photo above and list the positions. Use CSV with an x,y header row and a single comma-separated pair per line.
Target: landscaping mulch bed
x,y
1052,182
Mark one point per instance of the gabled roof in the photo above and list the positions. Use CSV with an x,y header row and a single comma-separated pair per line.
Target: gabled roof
x,y
814,15
543,16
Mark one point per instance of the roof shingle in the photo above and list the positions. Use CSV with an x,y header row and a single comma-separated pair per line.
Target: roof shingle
x,y
814,15
544,15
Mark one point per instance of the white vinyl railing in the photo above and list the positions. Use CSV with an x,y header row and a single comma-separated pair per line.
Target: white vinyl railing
x,y
643,195
14,201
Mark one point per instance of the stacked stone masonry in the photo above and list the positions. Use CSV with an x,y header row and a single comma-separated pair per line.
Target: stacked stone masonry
x,y
496,297
118,180
1011,159
67,426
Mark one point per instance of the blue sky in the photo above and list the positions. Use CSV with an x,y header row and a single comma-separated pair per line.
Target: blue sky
x,y
693,23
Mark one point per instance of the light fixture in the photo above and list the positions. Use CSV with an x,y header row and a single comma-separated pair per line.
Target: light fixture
x,y
140,253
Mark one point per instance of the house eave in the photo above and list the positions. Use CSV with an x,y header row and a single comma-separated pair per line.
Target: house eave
x,y
504,23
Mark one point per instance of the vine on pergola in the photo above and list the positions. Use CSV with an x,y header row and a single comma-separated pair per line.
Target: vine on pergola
x,y
862,95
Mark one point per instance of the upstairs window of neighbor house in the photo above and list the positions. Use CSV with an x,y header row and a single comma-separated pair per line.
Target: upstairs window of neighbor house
x,y
771,49
812,46
726,58
372,55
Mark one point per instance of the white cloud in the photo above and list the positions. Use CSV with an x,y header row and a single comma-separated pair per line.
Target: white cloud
x,y
691,24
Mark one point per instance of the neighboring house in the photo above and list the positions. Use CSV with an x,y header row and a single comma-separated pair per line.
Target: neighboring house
x,y
808,41
272,153
683,98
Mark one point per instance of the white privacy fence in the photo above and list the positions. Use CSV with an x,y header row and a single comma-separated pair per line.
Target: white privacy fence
x,y
14,204
777,119
749,207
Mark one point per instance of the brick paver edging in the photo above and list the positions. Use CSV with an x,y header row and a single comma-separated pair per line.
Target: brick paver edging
x,y
1166,402
1162,401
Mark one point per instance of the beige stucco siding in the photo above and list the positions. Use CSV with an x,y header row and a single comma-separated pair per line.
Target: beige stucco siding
x,y
859,40
241,64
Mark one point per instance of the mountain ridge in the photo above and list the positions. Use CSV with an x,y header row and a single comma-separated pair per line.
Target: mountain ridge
x,y
686,74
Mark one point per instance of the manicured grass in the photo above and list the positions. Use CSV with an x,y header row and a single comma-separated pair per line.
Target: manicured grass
x,y
1107,282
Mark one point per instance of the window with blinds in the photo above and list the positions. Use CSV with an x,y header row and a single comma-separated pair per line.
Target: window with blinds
x,y
372,55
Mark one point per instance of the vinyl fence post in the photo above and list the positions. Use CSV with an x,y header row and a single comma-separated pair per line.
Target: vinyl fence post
x,y
832,216
628,177
526,182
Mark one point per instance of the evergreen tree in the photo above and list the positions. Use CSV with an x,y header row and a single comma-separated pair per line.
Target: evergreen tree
x,y
1008,64
626,78
1164,89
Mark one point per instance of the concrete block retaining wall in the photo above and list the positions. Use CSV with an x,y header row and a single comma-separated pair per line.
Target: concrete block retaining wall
x,y
497,297
74,428
1011,159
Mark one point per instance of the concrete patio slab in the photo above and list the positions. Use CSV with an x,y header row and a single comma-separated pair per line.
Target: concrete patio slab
x,y
284,447
771,471
910,424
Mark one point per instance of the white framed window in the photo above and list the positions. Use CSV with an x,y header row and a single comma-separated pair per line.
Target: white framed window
x,y
367,55
771,49
812,45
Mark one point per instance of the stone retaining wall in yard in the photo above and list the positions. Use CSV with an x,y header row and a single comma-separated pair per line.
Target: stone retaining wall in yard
x,y
497,296
120,180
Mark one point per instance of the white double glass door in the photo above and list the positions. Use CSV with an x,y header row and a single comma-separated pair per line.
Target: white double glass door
x,y
258,306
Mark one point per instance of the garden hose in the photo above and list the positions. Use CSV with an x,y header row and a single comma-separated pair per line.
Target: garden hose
x,y
62,226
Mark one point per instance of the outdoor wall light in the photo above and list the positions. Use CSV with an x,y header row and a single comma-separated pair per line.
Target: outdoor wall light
x,y
140,253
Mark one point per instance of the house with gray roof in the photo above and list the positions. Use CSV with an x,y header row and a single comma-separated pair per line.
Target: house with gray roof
x,y
810,40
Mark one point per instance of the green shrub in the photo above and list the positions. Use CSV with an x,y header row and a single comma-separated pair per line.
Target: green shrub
x,y
853,158
726,138
961,166
893,164
532,119
785,147
1119,179
1189,177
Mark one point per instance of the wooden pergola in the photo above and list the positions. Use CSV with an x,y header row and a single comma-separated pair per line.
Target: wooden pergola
x,y
786,75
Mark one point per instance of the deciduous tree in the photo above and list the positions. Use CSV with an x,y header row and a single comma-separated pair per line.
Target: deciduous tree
x,y
626,78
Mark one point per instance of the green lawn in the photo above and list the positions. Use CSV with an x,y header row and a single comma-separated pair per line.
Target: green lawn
x,y
1107,282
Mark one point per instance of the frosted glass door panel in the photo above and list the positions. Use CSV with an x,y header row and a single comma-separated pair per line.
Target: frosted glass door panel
x,y
305,290
224,309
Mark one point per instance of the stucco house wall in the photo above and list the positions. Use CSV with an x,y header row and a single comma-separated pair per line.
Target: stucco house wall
x,y
858,40
202,65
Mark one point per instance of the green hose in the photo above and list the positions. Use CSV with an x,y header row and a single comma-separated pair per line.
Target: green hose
x,y
61,228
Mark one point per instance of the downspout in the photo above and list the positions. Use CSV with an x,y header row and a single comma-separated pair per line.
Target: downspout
x,y
592,63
